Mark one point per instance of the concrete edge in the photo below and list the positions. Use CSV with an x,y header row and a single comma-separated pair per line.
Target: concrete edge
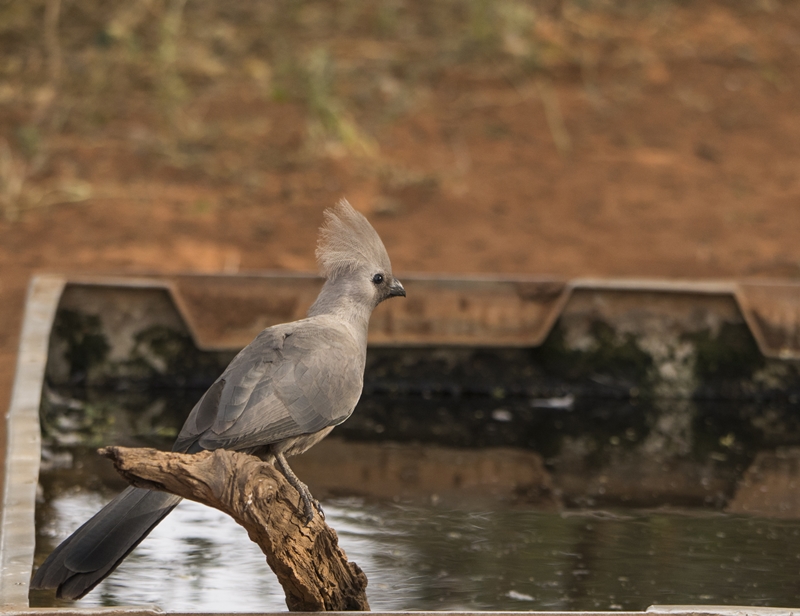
x,y
89,611
732,288
720,610
672,610
23,442
738,290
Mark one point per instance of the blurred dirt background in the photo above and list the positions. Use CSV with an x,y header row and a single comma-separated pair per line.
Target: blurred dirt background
x,y
647,138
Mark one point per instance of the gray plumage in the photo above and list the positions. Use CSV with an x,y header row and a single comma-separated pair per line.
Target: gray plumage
x,y
279,396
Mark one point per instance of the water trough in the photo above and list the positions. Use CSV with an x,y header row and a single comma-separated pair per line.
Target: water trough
x,y
699,383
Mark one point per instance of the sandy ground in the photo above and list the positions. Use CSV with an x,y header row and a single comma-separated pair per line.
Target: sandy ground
x,y
679,160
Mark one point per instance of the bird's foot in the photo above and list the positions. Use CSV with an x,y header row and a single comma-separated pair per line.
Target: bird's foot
x,y
309,502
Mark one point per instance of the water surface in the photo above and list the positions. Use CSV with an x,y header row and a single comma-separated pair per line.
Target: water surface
x,y
433,558
495,553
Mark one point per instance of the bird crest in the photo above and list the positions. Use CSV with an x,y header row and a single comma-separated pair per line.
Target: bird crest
x,y
348,242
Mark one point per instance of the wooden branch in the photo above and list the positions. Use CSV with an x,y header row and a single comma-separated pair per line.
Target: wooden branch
x,y
307,559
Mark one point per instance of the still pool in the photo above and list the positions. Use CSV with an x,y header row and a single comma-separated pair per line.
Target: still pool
x,y
443,558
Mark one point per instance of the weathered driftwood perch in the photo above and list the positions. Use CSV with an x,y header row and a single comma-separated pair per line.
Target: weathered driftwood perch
x,y
307,559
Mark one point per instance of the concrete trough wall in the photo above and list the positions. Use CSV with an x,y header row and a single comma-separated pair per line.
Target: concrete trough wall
x,y
661,339
525,349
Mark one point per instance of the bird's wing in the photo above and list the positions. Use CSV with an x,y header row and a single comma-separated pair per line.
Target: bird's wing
x,y
291,380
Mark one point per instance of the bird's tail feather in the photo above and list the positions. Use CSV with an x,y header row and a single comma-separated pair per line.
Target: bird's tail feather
x,y
93,551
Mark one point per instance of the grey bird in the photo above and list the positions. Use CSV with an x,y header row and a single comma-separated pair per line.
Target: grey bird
x,y
280,395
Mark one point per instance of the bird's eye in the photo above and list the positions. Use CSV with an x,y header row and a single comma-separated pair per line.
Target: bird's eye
x,y
377,278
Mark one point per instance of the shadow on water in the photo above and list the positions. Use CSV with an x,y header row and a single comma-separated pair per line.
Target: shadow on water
x,y
424,539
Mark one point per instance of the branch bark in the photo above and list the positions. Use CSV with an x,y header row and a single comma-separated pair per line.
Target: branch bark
x,y
311,567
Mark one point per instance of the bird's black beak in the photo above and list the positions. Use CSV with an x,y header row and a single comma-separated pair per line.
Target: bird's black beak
x,y
396,289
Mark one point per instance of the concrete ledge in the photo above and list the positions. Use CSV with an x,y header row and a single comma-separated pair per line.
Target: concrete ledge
x,y
23,448
720,610
453,310
671,610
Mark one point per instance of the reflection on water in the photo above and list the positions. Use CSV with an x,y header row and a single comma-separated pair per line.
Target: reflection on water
x,y
197,559
488,554
425,558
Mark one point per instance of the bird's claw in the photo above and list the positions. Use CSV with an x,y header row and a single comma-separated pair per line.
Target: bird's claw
x,y
309,505
309,502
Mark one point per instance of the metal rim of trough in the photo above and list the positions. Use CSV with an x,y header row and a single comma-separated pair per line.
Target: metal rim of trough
x,y
771,310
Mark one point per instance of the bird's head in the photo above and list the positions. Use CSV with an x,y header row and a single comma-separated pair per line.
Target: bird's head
x,y
353,258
